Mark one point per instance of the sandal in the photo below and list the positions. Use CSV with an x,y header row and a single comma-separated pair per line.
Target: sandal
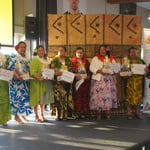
x,y
99,117
58,119
38,119
138,116
82,116
25,118
5,124
19,121
108,117
129,117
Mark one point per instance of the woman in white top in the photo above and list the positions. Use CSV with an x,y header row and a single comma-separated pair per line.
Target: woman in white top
x,y
103,85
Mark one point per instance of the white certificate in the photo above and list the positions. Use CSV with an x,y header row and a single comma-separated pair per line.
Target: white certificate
x,y
138,69
6,75
115,67
67,76
48,74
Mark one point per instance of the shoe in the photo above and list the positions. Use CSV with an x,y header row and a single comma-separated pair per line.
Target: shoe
x,y
108,117
82,116
129,117
138,116
99,117
58,119
25,119
5,124
38,119
19,121
44,119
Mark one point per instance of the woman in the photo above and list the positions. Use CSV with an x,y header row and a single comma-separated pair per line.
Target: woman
x,y
62,89
5,113
103,85
81,86
41,90
19,86
134,87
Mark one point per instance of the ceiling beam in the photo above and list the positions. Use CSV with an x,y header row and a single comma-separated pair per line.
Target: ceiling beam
x,y
126,1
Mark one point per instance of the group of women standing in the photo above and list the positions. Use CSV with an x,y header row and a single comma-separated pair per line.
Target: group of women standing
x,y
92,90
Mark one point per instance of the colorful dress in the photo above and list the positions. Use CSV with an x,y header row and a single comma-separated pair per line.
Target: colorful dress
x,y
134,91
19,90
103,87
5,113
62,90
81,88
40,92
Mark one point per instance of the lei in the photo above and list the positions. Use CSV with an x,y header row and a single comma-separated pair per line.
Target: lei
x,y
101,58
76,64
56,64
139,61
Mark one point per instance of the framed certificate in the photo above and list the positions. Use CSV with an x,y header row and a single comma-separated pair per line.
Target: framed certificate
x,y
6,75
48,74
138,69
67,76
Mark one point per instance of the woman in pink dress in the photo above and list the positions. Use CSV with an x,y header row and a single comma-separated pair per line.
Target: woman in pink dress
x,y
103,85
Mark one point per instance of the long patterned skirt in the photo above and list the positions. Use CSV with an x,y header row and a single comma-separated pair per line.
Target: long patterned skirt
x,y
19,97
63,98
103,93
134,90
81,97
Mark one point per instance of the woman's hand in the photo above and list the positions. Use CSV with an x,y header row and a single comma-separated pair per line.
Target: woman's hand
x,y
58,73
100,71
17,76
39,78
78,76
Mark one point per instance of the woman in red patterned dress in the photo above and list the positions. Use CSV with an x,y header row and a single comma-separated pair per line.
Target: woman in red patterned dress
x,y
81,85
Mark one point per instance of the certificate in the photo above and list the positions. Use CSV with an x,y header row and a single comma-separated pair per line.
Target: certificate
x,y
115,67
6,75
138,69
67,76
48,74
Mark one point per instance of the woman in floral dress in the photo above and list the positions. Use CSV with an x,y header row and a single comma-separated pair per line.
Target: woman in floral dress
x,y
81,85
62,89
103,85
134,87
19,86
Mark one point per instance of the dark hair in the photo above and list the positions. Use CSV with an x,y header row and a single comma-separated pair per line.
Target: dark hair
x,y
65,49
79,48
103,46
21,42
39,46
131,48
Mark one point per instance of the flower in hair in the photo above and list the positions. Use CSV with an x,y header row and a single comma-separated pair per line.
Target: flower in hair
x,y
16,47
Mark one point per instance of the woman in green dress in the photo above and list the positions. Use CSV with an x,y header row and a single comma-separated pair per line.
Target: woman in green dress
x,y
134,87
62,89
5,113
41,90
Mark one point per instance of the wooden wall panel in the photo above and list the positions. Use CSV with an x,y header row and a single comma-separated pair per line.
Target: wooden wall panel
x,y
57,30
131,30
76,29
94,29
112,29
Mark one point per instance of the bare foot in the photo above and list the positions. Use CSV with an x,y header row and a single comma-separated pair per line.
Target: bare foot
x,y
18,120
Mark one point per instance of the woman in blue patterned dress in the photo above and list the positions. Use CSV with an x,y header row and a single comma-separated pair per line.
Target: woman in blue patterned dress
x,y
19,86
